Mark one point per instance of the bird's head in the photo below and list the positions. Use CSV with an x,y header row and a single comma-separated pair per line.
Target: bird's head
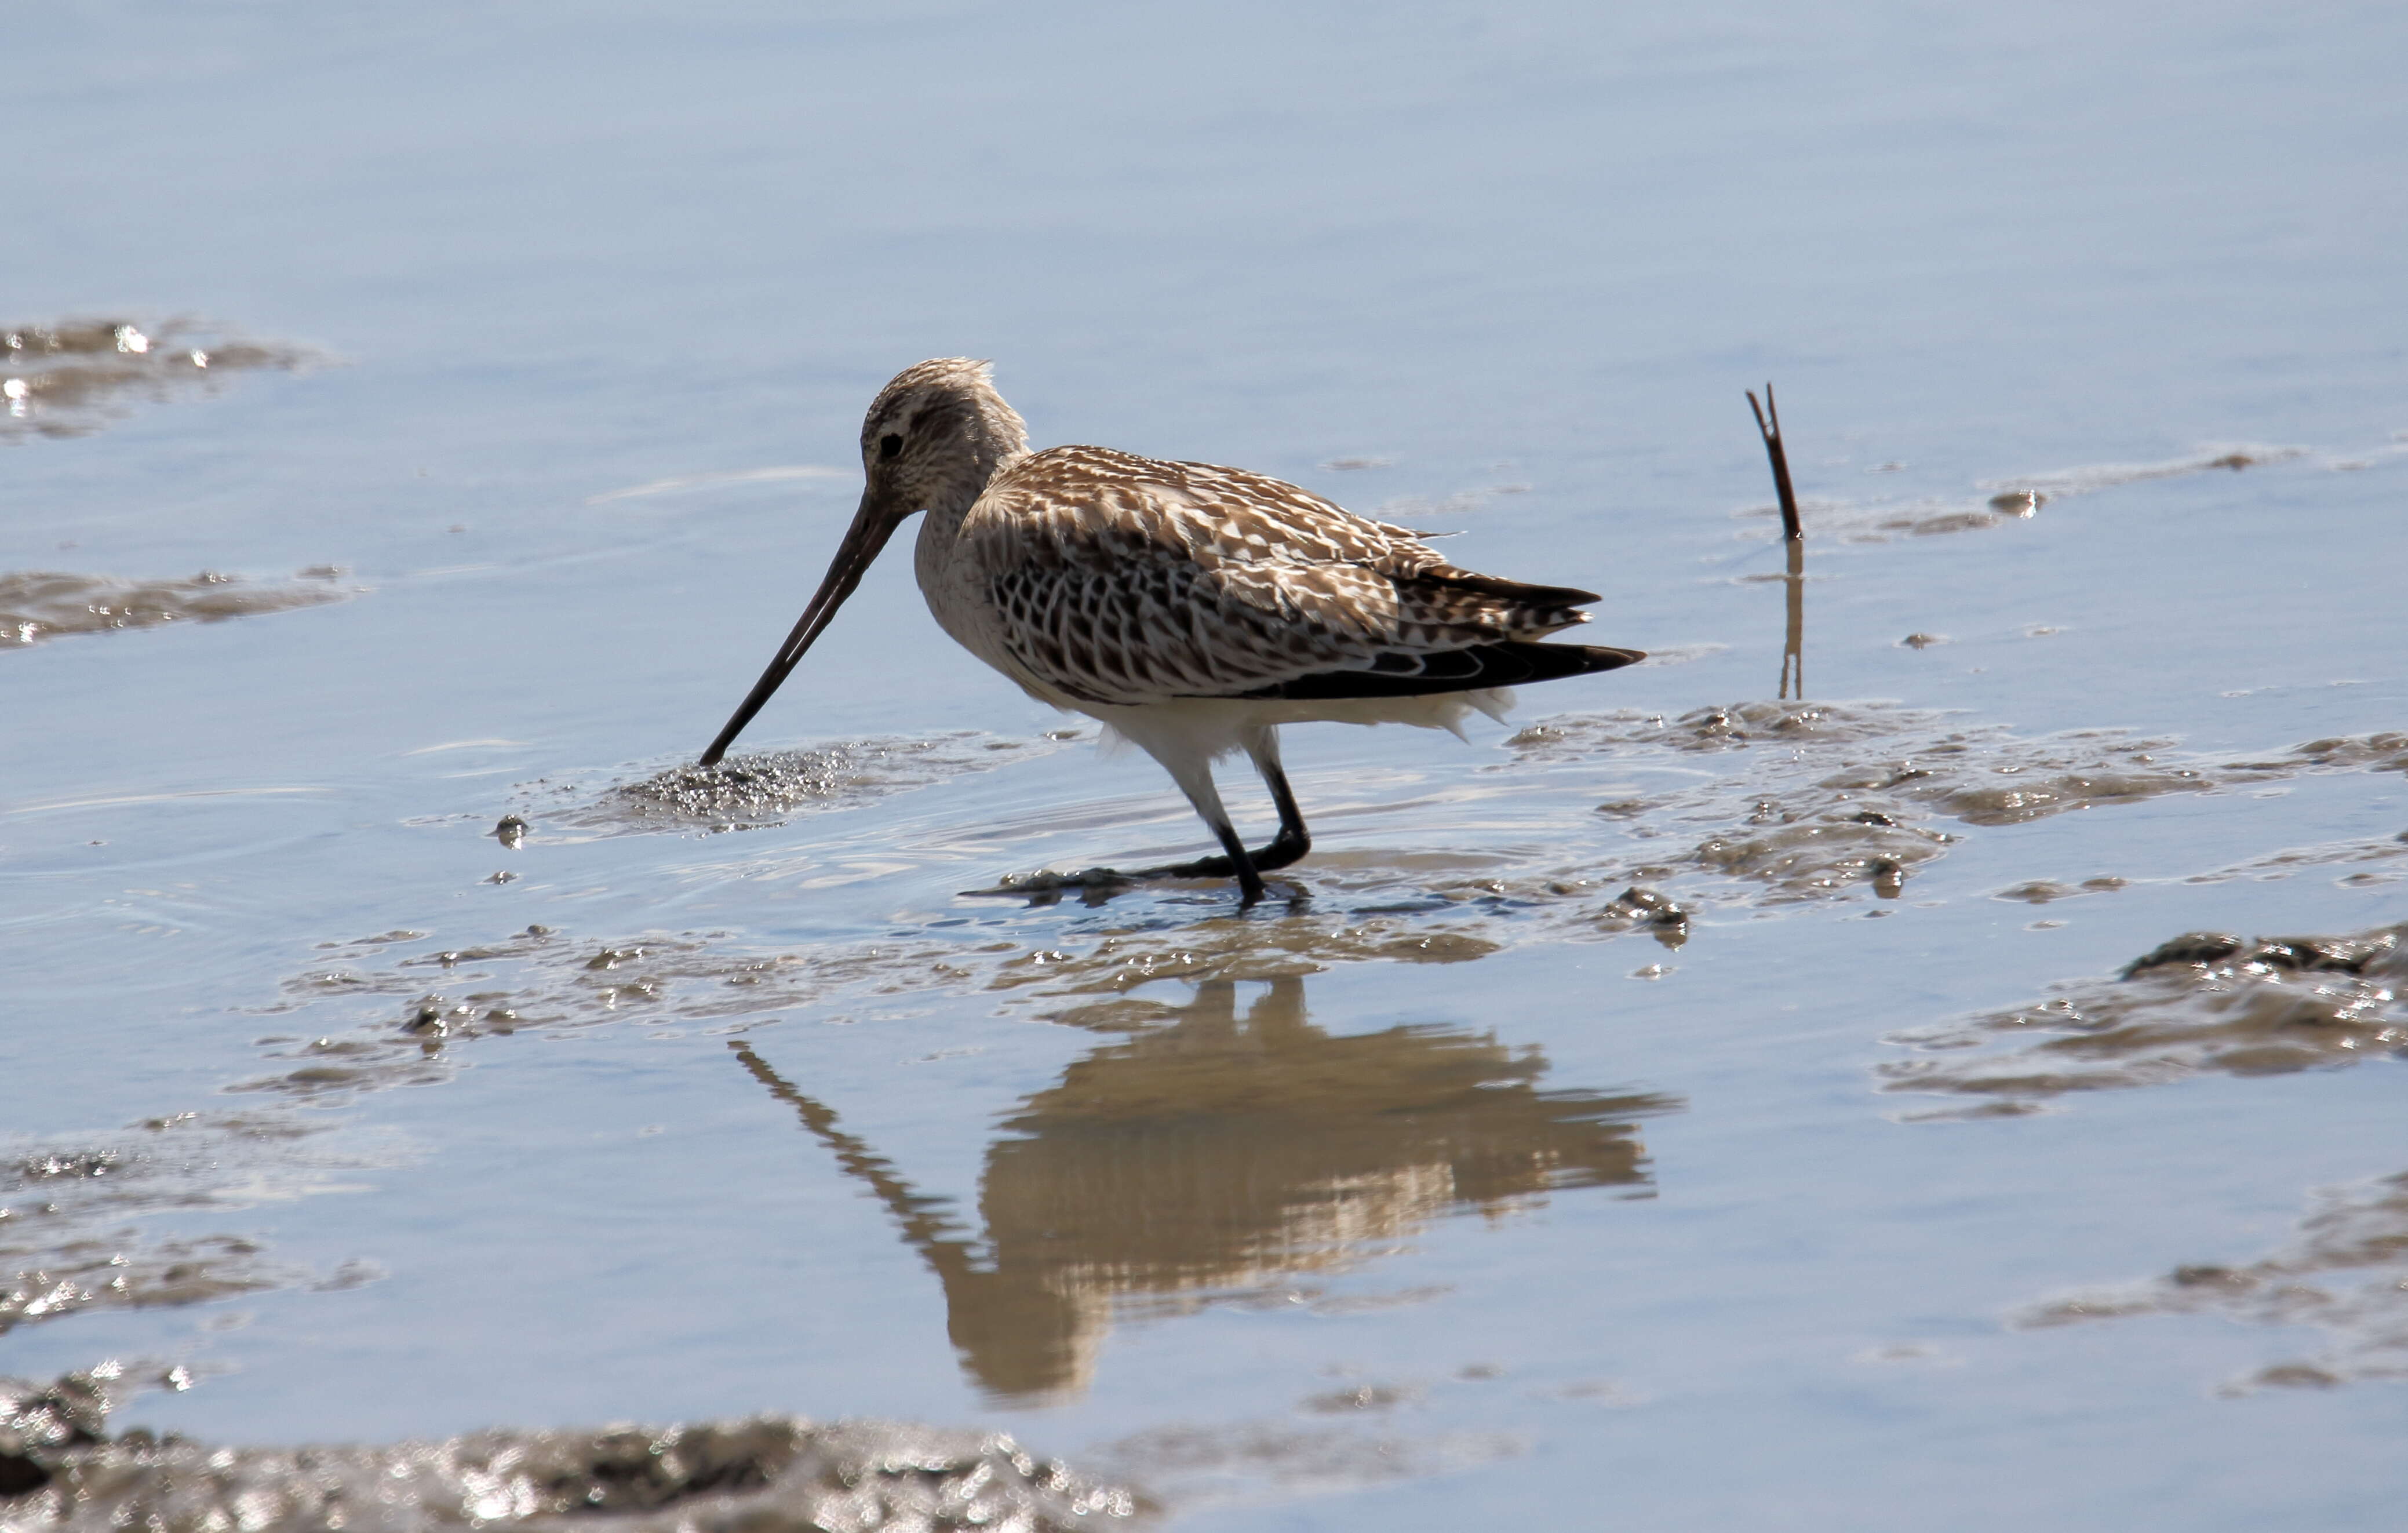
x,y
932,439
935,435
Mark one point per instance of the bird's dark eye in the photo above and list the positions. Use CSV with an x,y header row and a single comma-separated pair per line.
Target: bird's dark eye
x,y
890,446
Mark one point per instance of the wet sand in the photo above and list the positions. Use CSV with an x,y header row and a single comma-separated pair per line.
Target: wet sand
x,y
60,1467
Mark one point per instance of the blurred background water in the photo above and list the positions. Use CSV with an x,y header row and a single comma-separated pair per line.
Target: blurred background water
x,y
538,340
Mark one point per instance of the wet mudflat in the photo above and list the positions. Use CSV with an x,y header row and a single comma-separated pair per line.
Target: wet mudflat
x,y
1923,1050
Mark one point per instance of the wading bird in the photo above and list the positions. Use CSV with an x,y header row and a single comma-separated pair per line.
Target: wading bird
x,y
1191,608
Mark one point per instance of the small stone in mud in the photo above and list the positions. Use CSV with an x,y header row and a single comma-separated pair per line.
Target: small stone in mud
x,y
2346,955
39,1420
2018,502
2214,1277
2290,954
511,831
1636,903
1360,1397
1923,641
2294,1375
1654,911
2189,948
2038,892
426,1018
1889,878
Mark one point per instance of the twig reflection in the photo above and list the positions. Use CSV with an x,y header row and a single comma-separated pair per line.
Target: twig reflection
x,y
1793,648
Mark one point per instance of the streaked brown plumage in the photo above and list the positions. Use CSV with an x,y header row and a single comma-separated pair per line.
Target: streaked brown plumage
x,y
1191,608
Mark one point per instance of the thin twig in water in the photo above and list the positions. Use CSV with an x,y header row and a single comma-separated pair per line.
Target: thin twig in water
x,y
1768,421
1793,650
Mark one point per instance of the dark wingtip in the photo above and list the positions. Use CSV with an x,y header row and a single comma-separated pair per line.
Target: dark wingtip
x,y
1511,663
1522,592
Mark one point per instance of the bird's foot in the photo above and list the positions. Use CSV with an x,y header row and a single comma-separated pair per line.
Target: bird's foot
x,y
1096,885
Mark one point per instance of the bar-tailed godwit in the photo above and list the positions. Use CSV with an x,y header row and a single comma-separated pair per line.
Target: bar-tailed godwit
x,y
1192,608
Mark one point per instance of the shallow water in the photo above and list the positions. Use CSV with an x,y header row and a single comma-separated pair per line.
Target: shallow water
x,y
1692,1106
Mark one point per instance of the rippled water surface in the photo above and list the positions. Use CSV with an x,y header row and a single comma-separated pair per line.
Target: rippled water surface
x,y
1924,1050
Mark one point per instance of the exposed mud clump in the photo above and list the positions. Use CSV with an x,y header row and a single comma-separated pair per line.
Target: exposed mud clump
x,y
770,787
69,1235
82,1274
73,377
2107,476
2048,891
1821,800
2020,498
1831,800
2205,1001
2346,1274
39,605
1979,775
2384,752
766,1475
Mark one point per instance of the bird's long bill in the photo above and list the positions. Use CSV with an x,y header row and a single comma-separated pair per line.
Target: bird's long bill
x,y
872,524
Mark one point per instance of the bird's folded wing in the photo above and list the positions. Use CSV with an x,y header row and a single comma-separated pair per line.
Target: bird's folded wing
x,y
1124,580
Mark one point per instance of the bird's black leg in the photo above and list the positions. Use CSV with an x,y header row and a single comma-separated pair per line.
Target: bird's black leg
x,y
1292,842
1250,881
1207,800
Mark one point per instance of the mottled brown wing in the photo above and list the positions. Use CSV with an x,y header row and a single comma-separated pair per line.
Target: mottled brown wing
x,y
1126,580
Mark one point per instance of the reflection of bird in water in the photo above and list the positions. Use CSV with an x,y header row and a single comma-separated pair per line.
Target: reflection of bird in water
x,y
1193,608
1209,1153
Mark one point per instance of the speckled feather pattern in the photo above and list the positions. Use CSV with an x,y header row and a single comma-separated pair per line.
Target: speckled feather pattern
x,y
1192,609
1121,579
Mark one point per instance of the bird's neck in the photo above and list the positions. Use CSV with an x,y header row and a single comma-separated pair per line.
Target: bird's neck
x,y
951,500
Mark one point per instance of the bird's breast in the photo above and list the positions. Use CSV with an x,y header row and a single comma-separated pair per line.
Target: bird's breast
x,y
961,597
